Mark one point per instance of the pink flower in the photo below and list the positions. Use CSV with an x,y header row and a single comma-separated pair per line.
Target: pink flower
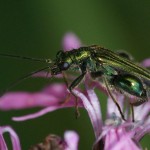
x,y
70,41
14,138
111,134
114,133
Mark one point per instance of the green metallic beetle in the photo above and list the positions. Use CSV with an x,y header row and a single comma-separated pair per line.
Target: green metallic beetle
x,y
116,70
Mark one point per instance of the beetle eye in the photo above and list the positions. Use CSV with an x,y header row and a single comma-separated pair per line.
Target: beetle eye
x,y
64,66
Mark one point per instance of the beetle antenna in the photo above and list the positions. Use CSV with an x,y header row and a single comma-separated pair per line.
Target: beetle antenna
x,y
27,58
22,78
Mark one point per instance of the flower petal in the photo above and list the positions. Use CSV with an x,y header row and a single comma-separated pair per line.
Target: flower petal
x,y
112,108
50,96
146,62
72,139
44,74
96,106
42,112
91,112
3,145
14,138
141,115
118,138
140,132
70,41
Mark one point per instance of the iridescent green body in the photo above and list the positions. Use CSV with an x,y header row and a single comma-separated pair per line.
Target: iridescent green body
x,y
131,85
101,62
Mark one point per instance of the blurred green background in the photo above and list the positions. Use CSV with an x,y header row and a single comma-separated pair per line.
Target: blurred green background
x,y
35,28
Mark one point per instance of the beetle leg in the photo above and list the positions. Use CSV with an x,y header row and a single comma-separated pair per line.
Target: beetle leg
x,y
75,83
72,86
132,112
113,98
67,85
